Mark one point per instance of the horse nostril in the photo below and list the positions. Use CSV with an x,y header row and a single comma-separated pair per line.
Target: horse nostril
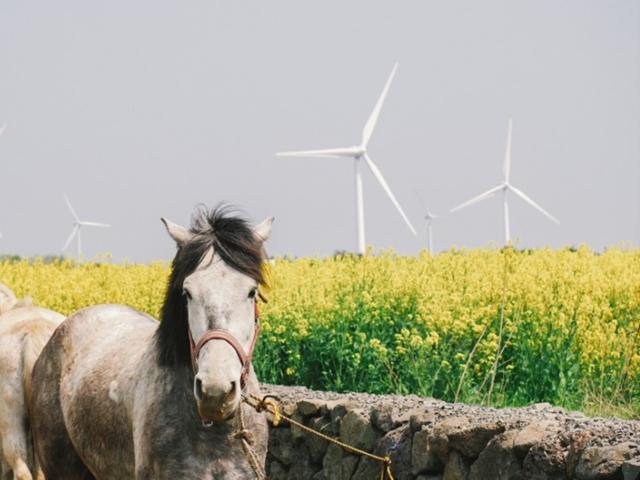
x,y
213,395
198,389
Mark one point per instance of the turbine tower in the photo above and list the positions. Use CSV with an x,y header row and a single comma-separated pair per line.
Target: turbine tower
x,y
428,220
77,227
360,156
505,187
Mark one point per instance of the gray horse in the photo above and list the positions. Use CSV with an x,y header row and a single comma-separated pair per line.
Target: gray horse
x,y
24,330
116,395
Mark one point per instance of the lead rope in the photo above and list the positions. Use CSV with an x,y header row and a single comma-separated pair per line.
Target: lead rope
x,y
246,437
269,404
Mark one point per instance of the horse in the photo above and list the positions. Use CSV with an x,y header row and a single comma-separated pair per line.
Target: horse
x,y
115,394
24,330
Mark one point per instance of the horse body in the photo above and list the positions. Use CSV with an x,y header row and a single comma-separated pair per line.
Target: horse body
x,y
122,401
20,314
23,333
90,364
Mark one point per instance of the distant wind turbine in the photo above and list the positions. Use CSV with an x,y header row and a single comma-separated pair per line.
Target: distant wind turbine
x,y
429,217
77,227
505,187
359,154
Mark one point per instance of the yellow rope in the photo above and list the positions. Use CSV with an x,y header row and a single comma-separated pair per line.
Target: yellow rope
x,y
269,404
247,440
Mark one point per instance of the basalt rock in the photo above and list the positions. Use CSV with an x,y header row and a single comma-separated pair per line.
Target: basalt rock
x,y
457,467
498,460
357,430
431,440
604,463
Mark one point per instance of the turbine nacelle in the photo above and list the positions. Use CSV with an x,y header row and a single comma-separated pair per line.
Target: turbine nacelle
x,y
359,152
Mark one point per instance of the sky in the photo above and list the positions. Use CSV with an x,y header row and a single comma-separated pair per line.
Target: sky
x,y
138,110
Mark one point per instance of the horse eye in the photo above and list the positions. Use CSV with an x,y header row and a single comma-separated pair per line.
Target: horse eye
x,y
185,293
253,292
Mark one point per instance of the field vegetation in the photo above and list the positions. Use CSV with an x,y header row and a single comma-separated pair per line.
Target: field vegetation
x,y
497,327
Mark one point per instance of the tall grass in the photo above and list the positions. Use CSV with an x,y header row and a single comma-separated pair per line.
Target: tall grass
x,y
497,327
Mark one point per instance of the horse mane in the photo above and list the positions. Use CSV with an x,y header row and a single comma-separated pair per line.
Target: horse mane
x,y
232,238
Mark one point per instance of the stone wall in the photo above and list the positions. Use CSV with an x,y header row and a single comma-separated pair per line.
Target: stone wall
x,y
432,440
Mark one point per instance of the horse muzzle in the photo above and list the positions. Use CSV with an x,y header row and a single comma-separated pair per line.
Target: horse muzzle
x,y
216,403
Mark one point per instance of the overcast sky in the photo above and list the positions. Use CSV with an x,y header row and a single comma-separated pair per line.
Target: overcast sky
x,y
143,109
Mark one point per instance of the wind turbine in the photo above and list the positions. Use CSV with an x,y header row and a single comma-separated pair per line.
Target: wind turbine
x,y
359,155
2,129
77,227
505,187
428,220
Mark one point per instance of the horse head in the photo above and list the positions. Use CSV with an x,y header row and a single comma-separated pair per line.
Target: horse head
x,y
217,273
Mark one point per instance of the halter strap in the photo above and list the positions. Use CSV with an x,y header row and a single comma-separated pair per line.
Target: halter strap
x,y
225,335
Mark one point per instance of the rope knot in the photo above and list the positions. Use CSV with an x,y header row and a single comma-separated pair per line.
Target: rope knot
x,y
245,435
269,404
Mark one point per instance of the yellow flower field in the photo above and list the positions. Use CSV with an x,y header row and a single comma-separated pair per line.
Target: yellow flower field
x,y
491,326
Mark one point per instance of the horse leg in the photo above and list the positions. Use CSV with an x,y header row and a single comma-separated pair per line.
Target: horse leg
x,y
37,470
5,471
53,448
4,468
13,416
14,450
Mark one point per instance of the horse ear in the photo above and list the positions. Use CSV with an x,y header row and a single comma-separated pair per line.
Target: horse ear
x,y
263,230
180,234
25,302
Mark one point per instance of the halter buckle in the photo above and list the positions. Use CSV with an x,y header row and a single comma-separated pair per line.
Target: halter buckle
x,y
207,423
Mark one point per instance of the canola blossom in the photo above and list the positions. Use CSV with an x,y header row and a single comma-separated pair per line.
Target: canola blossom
x,y
500,327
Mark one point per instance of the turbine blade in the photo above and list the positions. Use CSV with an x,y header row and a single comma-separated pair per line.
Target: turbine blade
x,y
507,154
329,152
73,234
373,118
94,224
3,128
378,174
524,196
488,194
73,212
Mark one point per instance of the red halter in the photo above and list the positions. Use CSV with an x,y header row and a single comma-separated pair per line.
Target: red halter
x,y
227,336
